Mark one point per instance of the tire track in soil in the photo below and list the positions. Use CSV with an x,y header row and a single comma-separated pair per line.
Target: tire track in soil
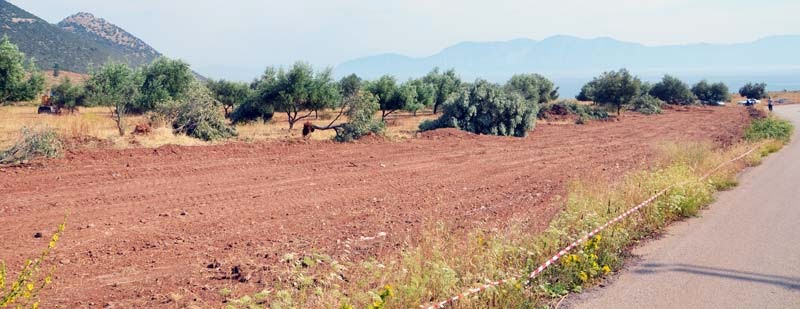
x,y
146,222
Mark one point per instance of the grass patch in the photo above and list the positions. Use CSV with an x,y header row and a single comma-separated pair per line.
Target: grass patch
x,y
769,128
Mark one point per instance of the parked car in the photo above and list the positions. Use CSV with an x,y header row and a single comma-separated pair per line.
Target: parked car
x,y
749,102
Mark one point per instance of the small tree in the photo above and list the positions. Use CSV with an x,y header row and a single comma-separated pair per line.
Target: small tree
x,y
56,70
163,79
754,91
229,94
68,95
709,93
299,92
673,91
533,87
259,104
615,88
117,86
647,104
13,84
360,109
350,85
487,108
587,93
417,95
446,85
388,95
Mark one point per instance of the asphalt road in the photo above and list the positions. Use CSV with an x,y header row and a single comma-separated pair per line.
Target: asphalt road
x,y
743,252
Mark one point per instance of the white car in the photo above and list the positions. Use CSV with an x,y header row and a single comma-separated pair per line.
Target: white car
x,y
749,102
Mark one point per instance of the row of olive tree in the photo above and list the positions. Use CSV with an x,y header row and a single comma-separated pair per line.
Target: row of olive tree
x,y
621,89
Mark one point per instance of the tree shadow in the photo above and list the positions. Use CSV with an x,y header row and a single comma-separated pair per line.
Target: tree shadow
x,y
790,283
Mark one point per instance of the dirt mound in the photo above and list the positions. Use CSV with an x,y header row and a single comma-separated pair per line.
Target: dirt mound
x,y
145,223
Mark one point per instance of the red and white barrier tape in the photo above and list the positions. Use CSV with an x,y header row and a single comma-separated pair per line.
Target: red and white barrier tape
x,y
586,237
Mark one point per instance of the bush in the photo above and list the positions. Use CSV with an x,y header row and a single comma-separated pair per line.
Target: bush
x,y
32,144
584,112
487,108
673,91
647,104
769,128
198,116
360,114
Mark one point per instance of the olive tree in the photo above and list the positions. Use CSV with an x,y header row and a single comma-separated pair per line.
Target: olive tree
x,y
116,86
14,86
673,91
259,103
615,88
359,108
533,87
487,108
709,93
754,91
229,94
68,95
350,85
163,79
446,85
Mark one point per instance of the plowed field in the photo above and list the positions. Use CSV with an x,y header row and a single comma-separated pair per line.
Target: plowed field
x,y
147,222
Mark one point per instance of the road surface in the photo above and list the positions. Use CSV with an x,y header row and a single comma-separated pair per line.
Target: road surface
x,y
744,252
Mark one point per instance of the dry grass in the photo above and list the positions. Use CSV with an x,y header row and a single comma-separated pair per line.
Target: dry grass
x,y
95,122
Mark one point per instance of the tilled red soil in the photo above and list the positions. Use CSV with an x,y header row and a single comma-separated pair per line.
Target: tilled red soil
x,y
146,222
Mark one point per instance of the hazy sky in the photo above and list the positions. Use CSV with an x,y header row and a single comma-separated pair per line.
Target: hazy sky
x,y
238,38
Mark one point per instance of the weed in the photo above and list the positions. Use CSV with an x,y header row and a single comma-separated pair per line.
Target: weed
x,y
24,290
769,128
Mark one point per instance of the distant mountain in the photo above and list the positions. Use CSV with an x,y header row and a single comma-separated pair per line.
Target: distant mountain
x,y
566,57
75,44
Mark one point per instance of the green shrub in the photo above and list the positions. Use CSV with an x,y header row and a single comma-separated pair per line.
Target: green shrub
x,y
647,104
33,143
487,108
584,112
198,116
769,128
360,114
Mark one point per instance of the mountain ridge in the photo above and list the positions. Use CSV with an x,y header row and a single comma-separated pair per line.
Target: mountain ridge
x,y
83,42
579,57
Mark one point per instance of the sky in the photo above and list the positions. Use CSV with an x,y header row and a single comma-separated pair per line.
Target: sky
x,y
237,39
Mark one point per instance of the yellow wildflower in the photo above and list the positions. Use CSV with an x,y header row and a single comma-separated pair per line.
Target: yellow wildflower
x,y
584,276
606,269
29,286
36,305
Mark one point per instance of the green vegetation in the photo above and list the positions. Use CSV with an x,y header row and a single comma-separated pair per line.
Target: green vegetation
x,y
711,93
67,95
33,143
487,108
298,92
533,87
197,115
163,79
770,128
117,86
24,290
229,94
410,96
672,91
614,88
14,86
647,104
360,111
754,91
447,84
583,112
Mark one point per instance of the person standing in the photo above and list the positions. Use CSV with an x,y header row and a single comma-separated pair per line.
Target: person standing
x,y
769,105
